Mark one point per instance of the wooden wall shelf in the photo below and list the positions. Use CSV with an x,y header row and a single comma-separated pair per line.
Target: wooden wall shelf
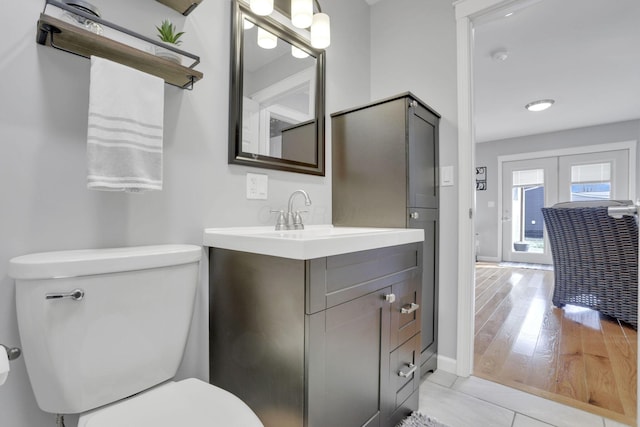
x,y
74,39
185,7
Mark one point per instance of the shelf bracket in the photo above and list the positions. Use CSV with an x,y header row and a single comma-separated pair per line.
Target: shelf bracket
x,y
44,30
189,86
51,30
190,9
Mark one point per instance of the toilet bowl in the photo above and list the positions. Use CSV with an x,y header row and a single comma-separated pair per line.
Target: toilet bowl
x,y
103,332
189,402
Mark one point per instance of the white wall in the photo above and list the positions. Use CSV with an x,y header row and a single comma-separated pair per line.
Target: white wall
x,y
413,48
487,153
43,116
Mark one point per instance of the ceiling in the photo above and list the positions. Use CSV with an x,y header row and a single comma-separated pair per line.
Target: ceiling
x,y
584,54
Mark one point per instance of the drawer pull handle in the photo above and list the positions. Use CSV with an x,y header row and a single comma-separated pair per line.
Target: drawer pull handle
x,y
406,374
390,298
409,308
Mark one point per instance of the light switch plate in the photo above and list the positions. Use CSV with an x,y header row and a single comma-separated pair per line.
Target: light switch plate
x,y
446,176
257,186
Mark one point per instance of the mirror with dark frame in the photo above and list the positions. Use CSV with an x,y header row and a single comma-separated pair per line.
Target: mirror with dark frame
x,y
276,97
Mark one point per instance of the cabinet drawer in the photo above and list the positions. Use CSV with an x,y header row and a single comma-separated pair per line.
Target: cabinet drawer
x,y
406,311
341,278
404,375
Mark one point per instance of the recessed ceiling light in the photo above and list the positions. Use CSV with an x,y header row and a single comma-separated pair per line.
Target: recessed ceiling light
x,y
540,105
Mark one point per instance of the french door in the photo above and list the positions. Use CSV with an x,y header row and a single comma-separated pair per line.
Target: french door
x,y
528,185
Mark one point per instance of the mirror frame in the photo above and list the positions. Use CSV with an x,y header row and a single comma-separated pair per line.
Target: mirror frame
x,y
282,31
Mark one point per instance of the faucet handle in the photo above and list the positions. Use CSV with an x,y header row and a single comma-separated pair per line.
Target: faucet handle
x,y
297,221
281,222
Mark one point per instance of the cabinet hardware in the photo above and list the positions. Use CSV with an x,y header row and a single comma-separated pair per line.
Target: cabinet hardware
x,y
414,215
409,308
76,295
406,374
390,298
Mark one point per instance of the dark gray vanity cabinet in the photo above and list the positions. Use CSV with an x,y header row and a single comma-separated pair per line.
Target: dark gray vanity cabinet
x,y
385,174
313,343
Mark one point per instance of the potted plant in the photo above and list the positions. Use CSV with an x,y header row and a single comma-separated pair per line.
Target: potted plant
x,y
167,33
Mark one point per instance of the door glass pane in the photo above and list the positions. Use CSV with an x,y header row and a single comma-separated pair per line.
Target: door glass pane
x,y
526,218
591,182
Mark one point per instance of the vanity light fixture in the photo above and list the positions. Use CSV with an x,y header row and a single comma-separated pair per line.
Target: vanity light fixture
x,y
248,24
302,16
266,40
298,53
540,105
261,7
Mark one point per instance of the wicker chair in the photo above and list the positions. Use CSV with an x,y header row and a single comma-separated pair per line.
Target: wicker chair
x,y
595,258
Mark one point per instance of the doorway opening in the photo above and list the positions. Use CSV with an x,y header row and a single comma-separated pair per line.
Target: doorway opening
x,y
467,13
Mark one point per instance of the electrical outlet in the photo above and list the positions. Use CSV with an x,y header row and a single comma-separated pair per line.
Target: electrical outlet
x,y
257,186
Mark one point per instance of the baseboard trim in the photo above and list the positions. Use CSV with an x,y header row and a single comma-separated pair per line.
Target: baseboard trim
x,y
488,259
447,364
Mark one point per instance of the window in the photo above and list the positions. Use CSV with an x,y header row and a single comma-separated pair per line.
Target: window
x,y
591,182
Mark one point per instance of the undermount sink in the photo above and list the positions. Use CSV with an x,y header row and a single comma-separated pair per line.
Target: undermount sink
x,y
314,241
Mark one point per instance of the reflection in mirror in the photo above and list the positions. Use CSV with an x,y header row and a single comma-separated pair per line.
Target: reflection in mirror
x,y
278,99
277,96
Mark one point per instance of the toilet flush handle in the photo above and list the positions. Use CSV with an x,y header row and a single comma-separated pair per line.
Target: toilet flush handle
x,y
76,295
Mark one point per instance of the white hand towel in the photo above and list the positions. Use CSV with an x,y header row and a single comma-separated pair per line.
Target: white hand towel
x,y
124,135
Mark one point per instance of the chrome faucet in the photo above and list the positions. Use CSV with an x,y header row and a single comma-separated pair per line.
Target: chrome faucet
x,y
293,220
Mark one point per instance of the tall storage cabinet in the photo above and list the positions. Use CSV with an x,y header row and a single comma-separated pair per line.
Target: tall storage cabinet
x,y
385,163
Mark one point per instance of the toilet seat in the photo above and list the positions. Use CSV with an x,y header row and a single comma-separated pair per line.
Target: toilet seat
x,y
189,402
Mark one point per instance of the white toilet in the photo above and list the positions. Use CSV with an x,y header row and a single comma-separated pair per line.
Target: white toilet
x,y
103,332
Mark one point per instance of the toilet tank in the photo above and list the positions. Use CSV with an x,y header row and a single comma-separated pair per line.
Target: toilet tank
x,y
126,334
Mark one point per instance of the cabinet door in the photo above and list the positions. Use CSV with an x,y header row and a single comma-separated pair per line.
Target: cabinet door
x,y
423,157
427,219
369,166
354,339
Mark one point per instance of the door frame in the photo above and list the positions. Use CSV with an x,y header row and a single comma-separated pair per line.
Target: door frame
x,y
465,12
569,151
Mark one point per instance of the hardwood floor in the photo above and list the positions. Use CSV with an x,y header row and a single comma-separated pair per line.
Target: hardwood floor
x,y
572,355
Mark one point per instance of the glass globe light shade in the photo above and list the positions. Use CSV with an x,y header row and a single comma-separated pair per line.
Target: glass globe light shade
x,y
321,31
266,40
261,7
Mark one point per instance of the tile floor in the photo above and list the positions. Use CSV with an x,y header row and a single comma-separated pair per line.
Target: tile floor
x,y
474,402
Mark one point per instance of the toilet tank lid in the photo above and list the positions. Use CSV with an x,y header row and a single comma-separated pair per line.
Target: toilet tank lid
x,y
85,262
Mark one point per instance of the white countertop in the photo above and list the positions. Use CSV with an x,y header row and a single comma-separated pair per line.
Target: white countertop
x,y
315,241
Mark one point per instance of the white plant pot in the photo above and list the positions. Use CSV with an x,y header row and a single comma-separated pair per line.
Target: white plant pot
x,y
167,54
